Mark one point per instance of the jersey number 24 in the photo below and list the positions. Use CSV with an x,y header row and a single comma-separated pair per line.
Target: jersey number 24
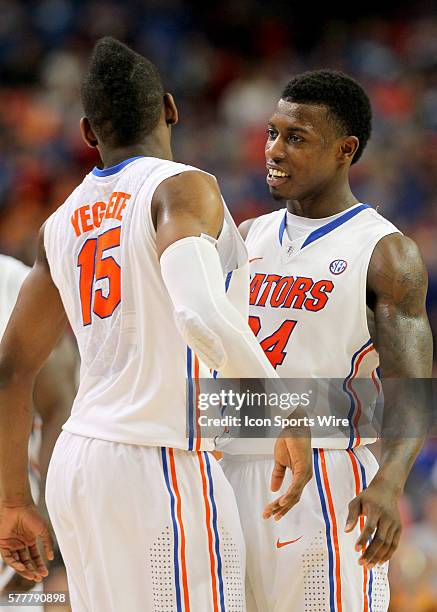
x,y
274,345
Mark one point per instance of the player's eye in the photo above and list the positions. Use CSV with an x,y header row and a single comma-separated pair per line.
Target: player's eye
x,y
294,138
271,134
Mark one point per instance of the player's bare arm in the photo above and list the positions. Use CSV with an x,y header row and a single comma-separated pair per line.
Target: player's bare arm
x,y
54,392
189,204
397,284
35,327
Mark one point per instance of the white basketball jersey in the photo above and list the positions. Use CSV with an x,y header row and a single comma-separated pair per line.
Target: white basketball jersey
x,y
138,380
12,275
308,307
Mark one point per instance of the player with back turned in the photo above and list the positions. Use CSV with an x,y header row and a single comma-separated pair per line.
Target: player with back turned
x,y
136,259
337,292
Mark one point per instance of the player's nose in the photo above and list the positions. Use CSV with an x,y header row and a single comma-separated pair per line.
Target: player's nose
x,y
275,151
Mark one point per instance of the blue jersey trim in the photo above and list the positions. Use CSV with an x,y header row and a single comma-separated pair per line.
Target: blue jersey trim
x,y
349,394
282,228
329,227
228,280
364,481
175,530
216,534
114,169
190,399
327,529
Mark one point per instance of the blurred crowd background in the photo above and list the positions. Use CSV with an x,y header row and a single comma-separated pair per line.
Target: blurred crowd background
x,y
226,65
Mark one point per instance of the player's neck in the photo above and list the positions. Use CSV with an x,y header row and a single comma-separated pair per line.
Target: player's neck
x,y
114,156
323,204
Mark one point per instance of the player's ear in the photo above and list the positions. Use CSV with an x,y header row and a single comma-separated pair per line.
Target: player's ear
x,y
171,112
87,133
348,148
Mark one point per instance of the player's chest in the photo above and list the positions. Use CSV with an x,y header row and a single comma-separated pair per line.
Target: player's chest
x,y
308,280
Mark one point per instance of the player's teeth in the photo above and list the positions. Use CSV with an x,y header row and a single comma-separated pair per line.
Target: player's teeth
x,y
274,172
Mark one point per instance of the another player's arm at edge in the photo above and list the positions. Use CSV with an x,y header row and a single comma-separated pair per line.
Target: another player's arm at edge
x,y
53,396
36,324
54,392
397,282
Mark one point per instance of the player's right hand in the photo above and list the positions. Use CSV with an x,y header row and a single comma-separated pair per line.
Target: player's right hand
x,y
20,529
293,452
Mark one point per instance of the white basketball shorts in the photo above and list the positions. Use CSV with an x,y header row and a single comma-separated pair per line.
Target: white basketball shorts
x,y
306,562
145,529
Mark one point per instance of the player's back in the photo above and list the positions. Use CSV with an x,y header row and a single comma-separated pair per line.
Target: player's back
x,y
101,250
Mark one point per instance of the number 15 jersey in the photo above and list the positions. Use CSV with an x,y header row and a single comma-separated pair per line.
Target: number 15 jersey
x,y
138,380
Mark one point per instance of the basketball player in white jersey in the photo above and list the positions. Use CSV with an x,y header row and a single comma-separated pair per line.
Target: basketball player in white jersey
x,y
136,259
336,292
53,396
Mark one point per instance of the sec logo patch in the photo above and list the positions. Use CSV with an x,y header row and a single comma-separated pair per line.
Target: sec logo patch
x,y
338,266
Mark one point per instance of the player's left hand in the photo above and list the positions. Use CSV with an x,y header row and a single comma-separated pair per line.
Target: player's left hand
x,y
379,504
294,453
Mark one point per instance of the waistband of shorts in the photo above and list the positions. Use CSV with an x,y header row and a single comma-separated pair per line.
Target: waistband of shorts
x,y
244,458
241,458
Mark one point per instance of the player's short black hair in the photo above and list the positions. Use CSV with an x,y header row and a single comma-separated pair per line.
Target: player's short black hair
x,y
346,101
122,93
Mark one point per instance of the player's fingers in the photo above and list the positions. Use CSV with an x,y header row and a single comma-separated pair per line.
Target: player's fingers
x,y
278,474
353,514
26,560
379,545
367,532
47,541
282,511
16,564
393,546
280,506
15,555
37,560
271,508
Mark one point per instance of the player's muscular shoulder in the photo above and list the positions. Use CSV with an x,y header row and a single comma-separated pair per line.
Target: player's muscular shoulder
x,y
188,193
187,204
397,274
245,226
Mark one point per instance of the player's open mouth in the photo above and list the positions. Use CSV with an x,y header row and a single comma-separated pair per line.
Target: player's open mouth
x,y
276,177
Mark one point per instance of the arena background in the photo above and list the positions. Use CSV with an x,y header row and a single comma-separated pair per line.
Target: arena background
x,y
226,65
